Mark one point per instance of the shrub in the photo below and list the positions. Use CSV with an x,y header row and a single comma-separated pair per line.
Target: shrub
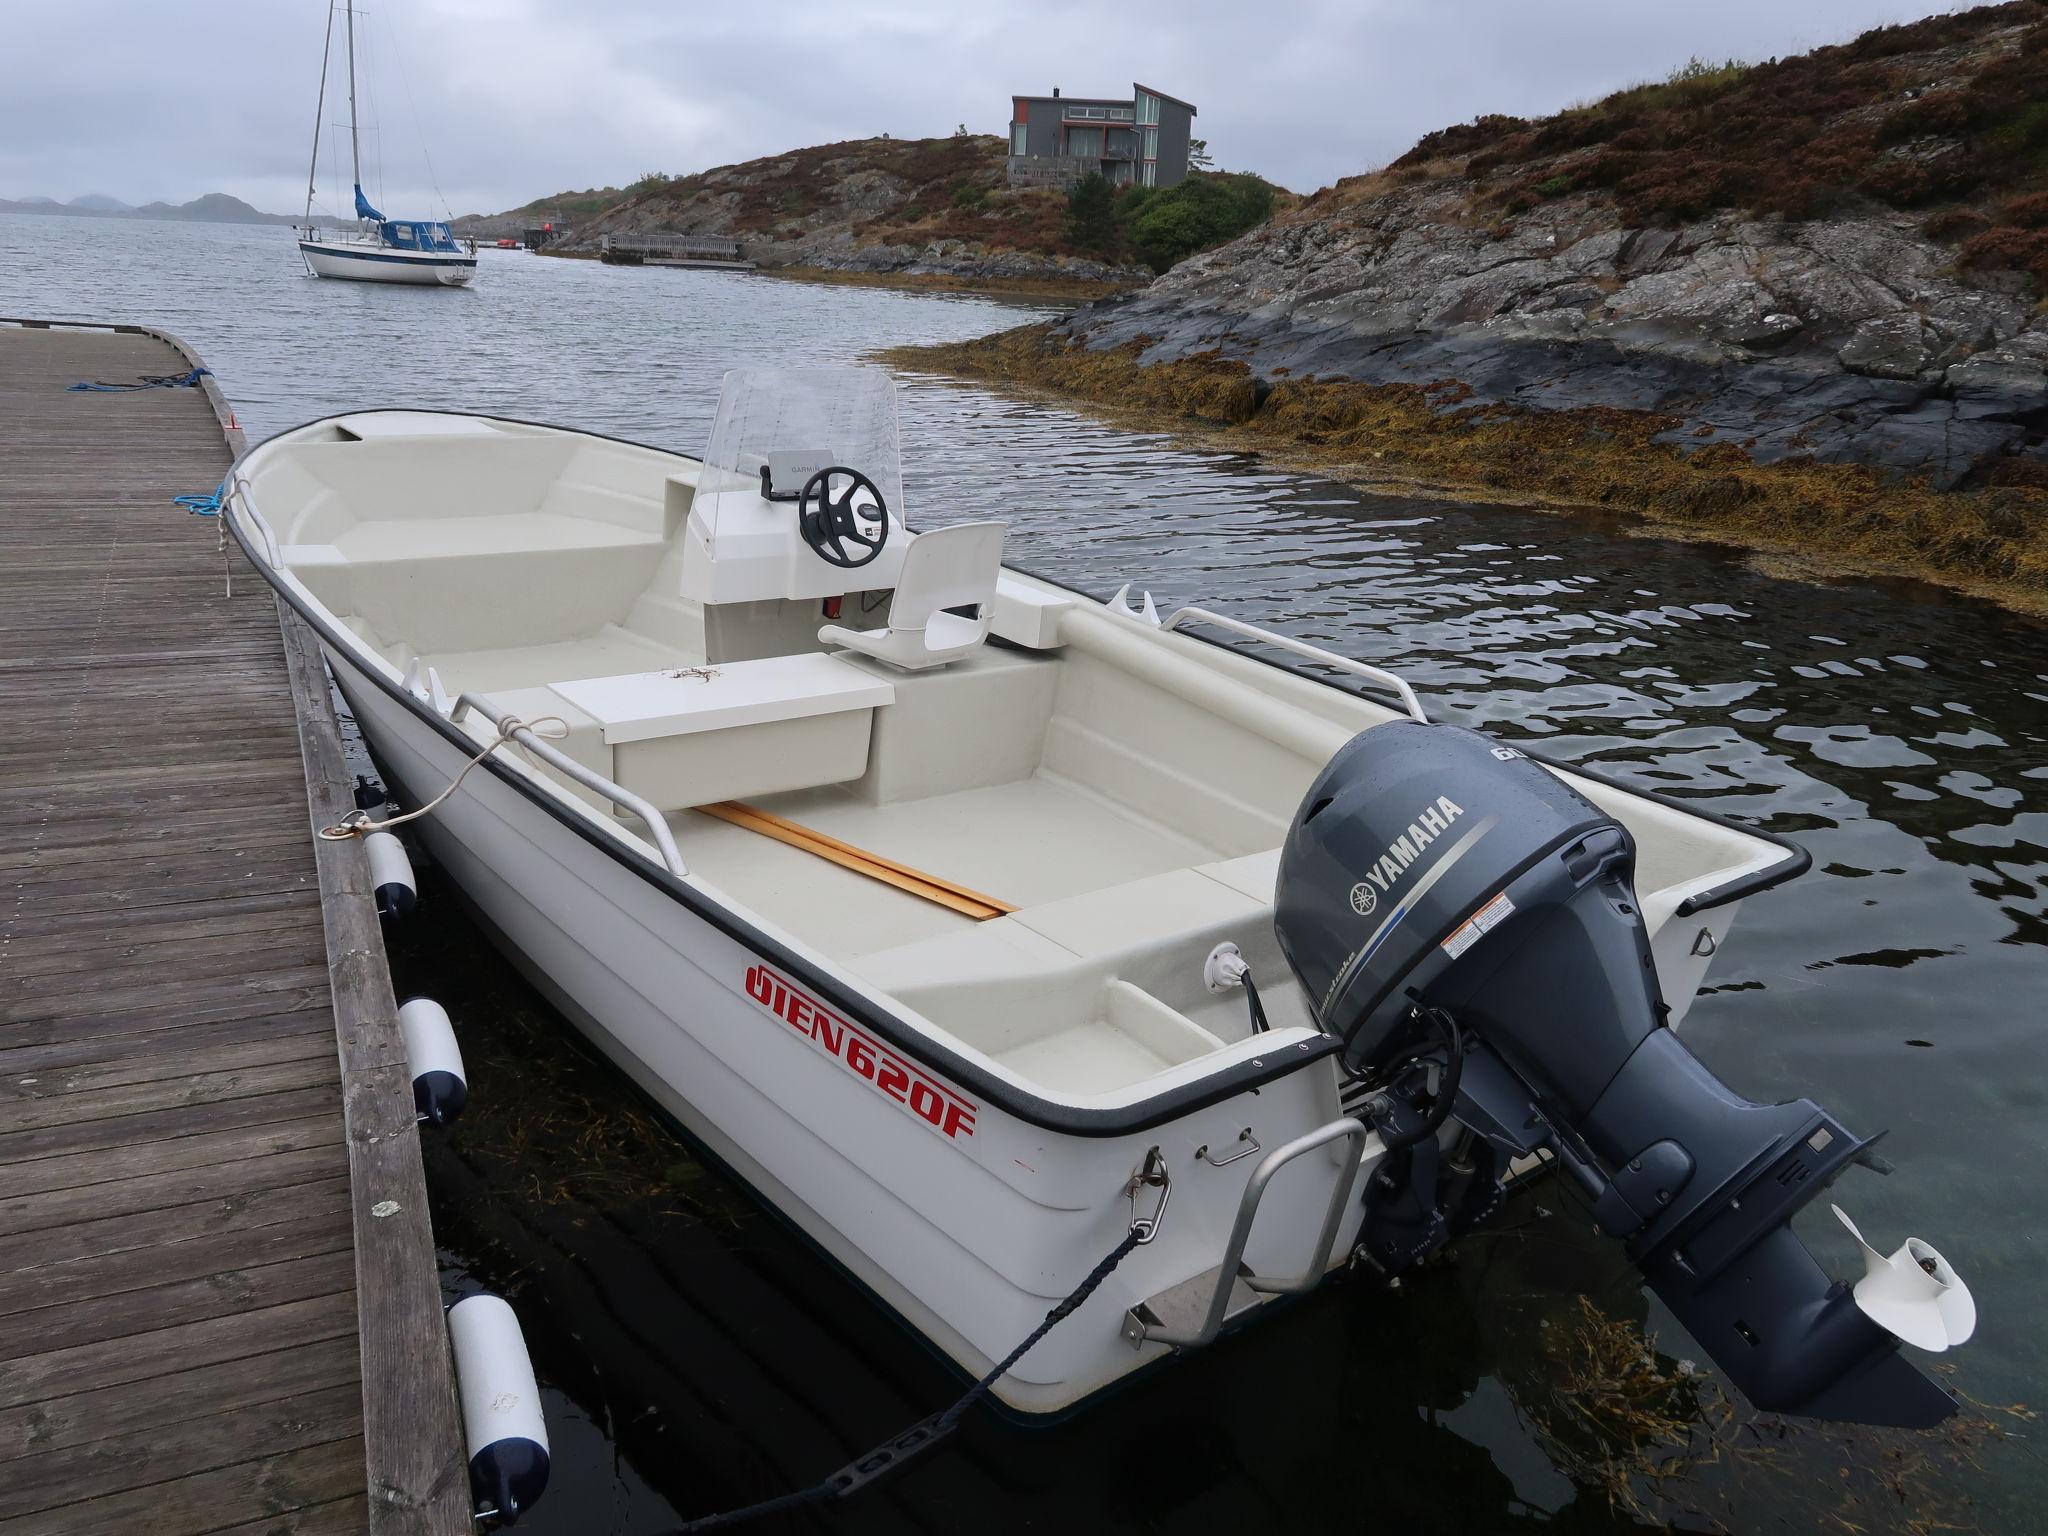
x,y
1091,214
969,194
2024,250
1955,224
2028,212
1945,113
1169,224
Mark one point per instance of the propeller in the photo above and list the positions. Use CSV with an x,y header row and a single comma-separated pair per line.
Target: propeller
x,y
1914,1293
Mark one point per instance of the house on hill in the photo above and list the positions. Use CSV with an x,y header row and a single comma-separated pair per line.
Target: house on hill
x,y
1142,139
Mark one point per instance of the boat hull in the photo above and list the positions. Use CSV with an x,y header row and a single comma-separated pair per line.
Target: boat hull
x,y
965,1220
364,264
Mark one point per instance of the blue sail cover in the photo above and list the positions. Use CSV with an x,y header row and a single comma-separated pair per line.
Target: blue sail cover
x,y
417,235
363,208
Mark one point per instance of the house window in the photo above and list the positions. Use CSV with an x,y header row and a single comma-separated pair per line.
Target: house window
x,y
1151,143
1018,132
1148,107
1151,176
1085,143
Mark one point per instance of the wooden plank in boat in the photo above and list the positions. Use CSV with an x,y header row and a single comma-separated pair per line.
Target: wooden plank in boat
x,y
933,888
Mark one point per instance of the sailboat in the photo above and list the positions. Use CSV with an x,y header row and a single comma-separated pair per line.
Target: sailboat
x,y
378,250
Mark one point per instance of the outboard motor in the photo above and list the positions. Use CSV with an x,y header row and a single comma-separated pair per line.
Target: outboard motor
x,y
1468,924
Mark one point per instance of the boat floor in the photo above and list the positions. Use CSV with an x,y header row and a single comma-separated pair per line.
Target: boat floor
x,y
1027,842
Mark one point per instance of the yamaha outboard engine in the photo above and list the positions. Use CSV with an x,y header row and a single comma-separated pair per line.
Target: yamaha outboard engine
x,y
1467,923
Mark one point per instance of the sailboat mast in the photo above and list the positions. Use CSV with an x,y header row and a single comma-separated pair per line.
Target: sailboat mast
x,y
355,147
319,111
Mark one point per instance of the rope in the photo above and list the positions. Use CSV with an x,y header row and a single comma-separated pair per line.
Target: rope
x,y
147,381
207,504
921,1436
359,824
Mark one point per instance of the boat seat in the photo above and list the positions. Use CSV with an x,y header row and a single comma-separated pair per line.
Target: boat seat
x,y
641,706
737,730
944,570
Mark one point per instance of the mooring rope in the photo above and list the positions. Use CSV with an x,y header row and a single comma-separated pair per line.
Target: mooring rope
x,y
146,381
925,1433
203,504
360,824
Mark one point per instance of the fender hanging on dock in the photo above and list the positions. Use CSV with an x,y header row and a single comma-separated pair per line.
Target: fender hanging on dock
x,y
439,1087
390,875
504,1430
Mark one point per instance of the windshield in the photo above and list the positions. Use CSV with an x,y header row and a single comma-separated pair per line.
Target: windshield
x,y
418,235
794,422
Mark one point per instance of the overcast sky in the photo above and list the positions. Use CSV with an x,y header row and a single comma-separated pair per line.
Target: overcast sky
x,y
516,98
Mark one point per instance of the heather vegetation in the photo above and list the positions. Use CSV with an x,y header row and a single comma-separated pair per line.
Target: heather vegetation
x,y
1946,118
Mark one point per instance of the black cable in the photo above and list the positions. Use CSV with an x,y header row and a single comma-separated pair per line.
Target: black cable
x,y
1447,1089
1251,992
885,1458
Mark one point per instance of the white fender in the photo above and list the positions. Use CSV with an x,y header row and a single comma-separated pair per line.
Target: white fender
x,y
390,874
502,1423
440,1088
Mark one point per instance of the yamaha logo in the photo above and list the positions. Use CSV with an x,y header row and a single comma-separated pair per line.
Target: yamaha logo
x,y
1363,900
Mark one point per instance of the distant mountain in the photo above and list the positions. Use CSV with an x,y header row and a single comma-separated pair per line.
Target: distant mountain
x,y
213,208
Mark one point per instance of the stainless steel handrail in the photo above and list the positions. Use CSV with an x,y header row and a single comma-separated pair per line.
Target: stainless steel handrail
x,y
595,782
1351,1131
243,498
1302,648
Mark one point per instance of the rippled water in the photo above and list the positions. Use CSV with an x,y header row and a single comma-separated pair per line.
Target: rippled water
x,y
696,1355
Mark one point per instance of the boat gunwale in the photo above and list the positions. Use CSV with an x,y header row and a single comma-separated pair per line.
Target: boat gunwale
x,y
1033,1109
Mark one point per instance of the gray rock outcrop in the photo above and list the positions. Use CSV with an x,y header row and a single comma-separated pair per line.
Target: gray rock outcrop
x,y
1850,340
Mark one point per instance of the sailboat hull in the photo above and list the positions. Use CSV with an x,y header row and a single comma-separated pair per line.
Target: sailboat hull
x,y
369,264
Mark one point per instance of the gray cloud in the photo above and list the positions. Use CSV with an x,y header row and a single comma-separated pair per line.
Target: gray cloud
x,y
517,98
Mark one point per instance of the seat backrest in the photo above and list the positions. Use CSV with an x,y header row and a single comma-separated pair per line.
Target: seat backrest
x,y
954,567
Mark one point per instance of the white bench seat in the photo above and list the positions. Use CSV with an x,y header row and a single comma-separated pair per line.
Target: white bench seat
x,y
738,730
680,701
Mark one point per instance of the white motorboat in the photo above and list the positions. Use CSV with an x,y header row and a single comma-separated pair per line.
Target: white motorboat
x,y
376,249
980,926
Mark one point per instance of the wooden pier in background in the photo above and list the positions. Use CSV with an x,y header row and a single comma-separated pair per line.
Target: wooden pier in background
x,y
219,1309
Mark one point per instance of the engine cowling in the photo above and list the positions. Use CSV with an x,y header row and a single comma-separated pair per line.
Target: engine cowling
x,y
1467,923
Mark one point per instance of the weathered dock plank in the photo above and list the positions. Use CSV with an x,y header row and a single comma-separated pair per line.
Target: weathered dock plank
x,y
202,1325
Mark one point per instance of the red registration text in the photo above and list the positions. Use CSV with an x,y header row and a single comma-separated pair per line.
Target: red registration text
x,y
860,1053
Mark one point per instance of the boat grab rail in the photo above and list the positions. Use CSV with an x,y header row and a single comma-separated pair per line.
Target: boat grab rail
x,y
1351,1131
244,501
590,779
1409,701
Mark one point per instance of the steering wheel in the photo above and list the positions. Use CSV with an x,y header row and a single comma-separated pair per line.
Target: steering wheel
x,y
835,522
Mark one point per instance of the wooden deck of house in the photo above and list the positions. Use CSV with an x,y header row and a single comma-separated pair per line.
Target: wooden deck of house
x,y
218,1305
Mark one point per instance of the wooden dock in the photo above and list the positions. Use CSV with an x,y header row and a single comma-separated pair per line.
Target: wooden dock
x,y
218,1300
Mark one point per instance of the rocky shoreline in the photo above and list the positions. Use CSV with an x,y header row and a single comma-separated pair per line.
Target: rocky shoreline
x,y
1441,439
1797,305
1834,389
1846,341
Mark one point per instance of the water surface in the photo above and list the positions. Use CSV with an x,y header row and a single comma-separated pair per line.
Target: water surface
x,y
696,1355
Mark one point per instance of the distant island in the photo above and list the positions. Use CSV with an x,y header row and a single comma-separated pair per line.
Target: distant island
x,y
212,208
936,212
